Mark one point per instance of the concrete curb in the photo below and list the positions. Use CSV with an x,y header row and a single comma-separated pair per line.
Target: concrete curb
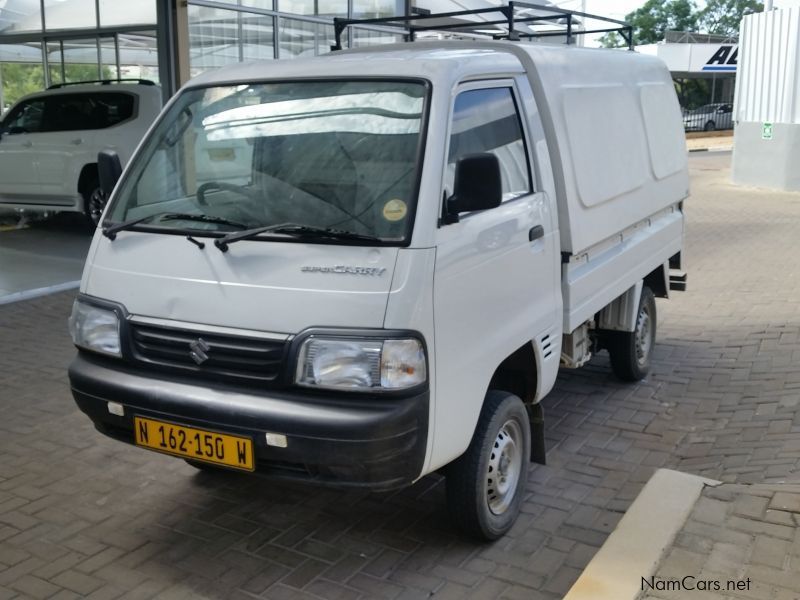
x,y
635,548
35,293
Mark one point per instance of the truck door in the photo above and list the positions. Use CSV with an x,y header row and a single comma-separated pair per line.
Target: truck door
x,y
495,269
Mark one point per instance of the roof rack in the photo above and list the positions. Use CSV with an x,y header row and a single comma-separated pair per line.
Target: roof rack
x,y
101,82
512,14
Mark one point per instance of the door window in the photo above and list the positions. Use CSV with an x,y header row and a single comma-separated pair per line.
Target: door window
x,y
487,120
26,118
82,112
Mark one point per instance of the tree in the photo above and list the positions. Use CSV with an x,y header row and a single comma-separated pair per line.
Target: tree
x,y
723,16
654,18
21,79
651,21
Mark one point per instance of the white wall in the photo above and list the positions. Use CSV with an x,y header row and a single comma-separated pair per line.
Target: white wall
x,y
769,68
768,91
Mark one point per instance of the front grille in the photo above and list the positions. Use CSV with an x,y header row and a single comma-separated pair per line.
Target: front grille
x,y
227,355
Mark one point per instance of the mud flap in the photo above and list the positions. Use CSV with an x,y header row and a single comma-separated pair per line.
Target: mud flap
x,y
536,420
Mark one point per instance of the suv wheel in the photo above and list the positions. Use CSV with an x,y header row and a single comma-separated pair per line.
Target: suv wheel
x,y
94,201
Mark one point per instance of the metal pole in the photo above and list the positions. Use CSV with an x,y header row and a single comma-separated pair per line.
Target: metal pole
x,y
116,56
97,39
713,86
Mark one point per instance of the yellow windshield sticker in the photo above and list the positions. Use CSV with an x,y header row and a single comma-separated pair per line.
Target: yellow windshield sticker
x,y
394,210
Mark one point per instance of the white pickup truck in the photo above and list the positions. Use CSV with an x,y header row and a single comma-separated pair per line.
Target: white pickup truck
x,y
426,233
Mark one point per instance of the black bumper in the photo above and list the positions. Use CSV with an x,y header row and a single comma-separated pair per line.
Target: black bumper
x,y
378,443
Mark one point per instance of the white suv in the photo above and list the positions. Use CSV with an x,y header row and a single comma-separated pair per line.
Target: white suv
x,y
49,142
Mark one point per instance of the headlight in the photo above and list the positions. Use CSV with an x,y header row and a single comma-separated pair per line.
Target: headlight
x,y
363,364
95,328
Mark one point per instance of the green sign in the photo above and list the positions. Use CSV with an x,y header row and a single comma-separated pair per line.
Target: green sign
x,y
766,131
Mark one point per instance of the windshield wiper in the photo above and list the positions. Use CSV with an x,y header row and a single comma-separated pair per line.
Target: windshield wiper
x,y
111,231
203,218
292,229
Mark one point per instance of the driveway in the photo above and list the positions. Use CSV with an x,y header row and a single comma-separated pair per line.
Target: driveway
x,y
81,515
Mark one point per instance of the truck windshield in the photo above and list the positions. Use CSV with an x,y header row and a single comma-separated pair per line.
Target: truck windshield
x,y
340,155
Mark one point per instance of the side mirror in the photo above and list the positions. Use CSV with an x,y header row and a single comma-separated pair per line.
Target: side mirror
x,y
478,186
109,169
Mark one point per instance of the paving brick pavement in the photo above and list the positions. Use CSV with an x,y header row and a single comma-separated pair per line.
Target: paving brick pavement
x,y
740,541
83,516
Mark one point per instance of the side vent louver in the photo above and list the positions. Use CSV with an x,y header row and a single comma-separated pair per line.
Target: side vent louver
x,y
546,346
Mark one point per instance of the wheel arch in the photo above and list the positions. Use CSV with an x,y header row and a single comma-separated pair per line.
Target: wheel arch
x,y
518,374
89,174
658,281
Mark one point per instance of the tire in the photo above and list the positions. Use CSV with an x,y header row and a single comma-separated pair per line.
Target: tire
x,y
710,126
94,201
632,352
481,506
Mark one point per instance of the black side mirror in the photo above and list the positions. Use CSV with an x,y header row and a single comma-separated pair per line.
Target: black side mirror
x,y
109,169
478,186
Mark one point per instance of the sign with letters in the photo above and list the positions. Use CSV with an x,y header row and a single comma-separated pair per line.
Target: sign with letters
x,y
722,58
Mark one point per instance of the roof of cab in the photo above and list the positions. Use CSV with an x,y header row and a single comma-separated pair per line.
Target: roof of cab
x,y
429,60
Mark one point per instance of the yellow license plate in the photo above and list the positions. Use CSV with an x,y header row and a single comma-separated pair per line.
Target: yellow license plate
x,y
196,444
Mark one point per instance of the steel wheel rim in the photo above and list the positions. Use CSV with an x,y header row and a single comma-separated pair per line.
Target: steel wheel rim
x,y
644,336
97,202
504,468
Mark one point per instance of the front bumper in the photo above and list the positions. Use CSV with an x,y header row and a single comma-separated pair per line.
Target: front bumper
x,y
348,440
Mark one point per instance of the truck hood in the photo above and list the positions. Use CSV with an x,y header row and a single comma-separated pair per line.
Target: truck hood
x,y
262,285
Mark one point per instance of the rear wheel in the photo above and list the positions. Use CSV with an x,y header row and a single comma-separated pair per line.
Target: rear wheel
x,y
94,201
631,352
486,484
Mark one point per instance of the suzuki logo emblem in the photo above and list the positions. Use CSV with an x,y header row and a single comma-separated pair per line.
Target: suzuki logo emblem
x,y
198,350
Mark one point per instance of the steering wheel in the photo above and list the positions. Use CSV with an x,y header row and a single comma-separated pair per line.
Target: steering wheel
x,y
229,187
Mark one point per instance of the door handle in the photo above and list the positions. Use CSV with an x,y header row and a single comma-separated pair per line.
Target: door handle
x,y
535,233
77,141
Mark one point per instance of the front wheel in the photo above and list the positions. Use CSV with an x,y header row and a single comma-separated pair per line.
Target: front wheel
x,y
486,484
710,126
631,352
